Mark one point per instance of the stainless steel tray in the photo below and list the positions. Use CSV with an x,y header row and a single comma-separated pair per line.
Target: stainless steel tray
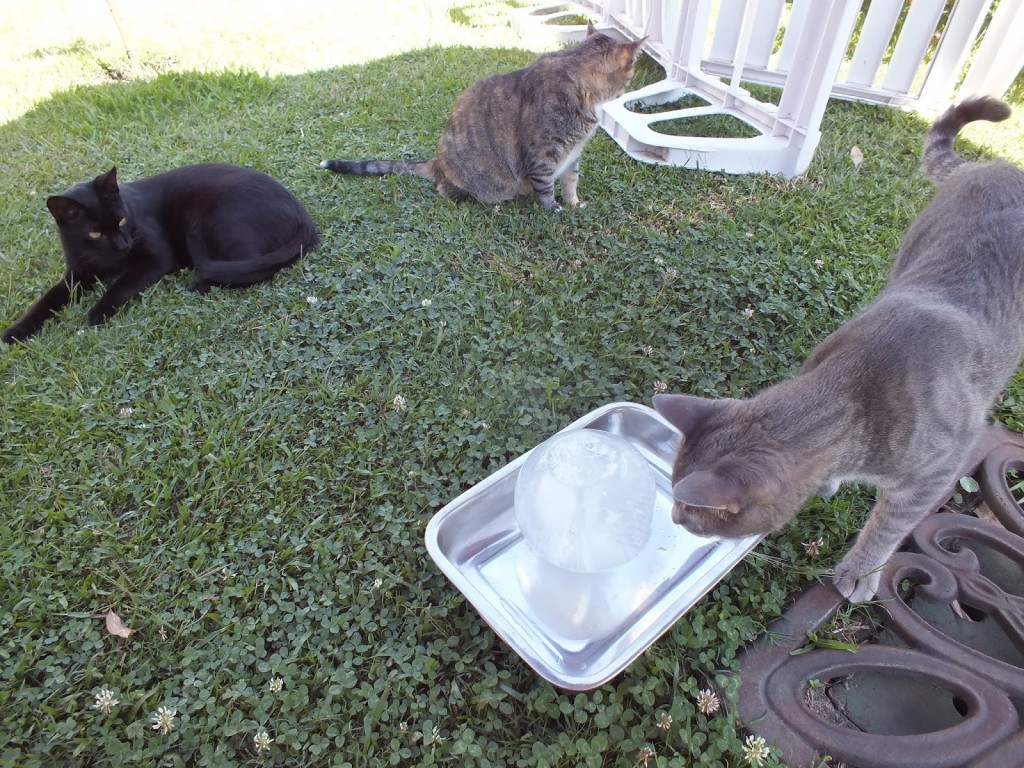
x,y
578,631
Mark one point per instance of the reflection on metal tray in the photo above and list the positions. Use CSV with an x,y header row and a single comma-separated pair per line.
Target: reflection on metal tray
x,y
578,631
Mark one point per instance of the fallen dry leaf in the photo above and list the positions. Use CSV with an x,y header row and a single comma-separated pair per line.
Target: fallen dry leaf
x,y
856,156
115,626
959,612
983,512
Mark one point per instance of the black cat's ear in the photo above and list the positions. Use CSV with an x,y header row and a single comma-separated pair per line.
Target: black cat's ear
x,y
64,209
708,490
106,185
685,412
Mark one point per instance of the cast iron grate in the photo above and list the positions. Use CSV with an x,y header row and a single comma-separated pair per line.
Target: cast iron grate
x,y
940,681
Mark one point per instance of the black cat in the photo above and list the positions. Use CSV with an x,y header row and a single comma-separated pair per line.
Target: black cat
x,y
235,226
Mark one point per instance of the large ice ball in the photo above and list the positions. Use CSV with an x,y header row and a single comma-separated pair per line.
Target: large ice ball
x,y
584,500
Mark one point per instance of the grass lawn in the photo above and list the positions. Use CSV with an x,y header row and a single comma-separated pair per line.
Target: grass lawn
x,y
245,477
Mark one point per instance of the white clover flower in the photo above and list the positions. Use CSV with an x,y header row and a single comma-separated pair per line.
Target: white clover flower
x,y
819,263
163,720
262,741
276,684
400,404
647,349
748,312
104,701
435,736
671,273
426,303
126,410
707,702
664,721
312,299
660,387
755,751
645,754
813,548
659,261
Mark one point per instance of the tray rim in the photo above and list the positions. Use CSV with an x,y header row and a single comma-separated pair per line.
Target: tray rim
x,y
509,632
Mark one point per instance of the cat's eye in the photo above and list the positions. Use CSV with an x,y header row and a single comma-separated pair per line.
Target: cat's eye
x,y
122,222
95,235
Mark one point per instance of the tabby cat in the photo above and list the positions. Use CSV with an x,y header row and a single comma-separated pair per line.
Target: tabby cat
x,y
893,398
235,226
516,133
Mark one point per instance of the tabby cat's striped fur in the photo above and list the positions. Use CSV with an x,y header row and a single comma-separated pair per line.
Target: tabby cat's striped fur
x,y
516,133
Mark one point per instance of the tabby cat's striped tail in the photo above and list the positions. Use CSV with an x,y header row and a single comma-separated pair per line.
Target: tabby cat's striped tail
x,y
422,168
939,160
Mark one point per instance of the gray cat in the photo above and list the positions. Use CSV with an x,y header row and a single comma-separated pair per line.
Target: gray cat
x,y
895,397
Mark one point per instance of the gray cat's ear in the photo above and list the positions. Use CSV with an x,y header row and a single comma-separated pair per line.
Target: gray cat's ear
x,y
591,29
64,209
106,185
708,490
684,412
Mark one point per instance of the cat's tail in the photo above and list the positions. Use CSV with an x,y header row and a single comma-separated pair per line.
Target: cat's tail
x,y
422,168
256,269
939,160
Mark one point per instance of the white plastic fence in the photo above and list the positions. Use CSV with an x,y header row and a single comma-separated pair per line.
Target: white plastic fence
x,y
922,53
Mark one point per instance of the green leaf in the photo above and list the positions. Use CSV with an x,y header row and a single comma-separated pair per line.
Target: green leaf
x,y
969,484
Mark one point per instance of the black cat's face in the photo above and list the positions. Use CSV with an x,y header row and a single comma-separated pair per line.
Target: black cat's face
x,y
94,226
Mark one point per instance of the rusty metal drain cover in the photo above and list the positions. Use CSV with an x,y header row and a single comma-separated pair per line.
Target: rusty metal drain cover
x,y
940,684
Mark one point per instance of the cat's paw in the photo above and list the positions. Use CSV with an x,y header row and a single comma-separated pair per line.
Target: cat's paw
x,y
854,584
98,315
17,333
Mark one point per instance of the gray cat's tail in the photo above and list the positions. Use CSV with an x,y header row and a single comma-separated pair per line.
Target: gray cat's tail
x,y
939,160
422,168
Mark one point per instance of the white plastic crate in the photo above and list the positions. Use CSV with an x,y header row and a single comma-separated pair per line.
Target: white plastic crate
x,y
885,51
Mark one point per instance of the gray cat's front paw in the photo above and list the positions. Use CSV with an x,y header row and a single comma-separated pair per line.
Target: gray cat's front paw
x,y
855,582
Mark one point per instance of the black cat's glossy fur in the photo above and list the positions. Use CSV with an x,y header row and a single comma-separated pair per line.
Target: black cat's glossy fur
x,y
235,226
